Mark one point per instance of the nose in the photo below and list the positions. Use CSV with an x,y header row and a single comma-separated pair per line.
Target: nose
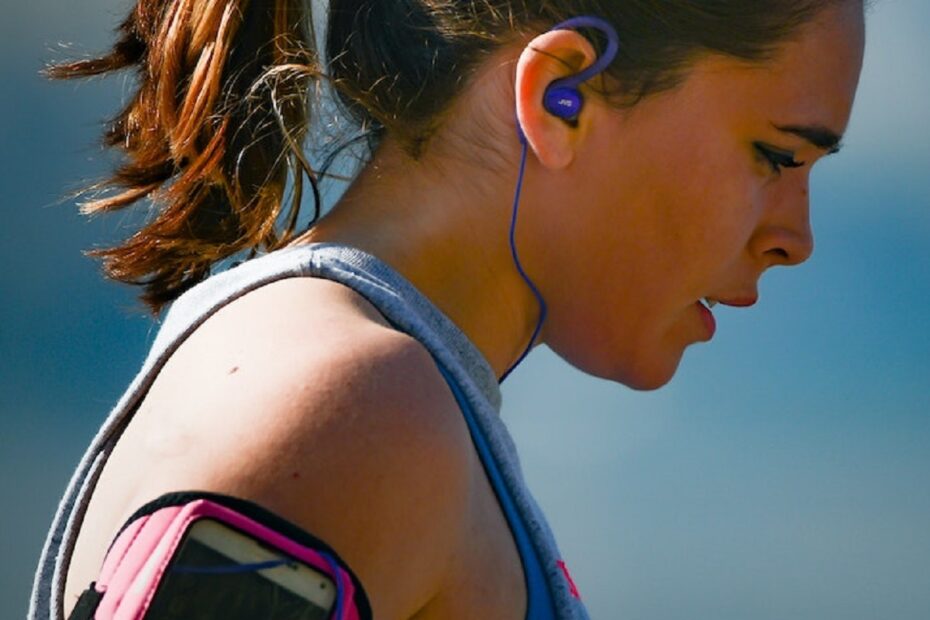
x,y
784,235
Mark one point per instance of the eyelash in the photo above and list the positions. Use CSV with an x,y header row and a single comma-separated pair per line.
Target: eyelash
x,y
777,160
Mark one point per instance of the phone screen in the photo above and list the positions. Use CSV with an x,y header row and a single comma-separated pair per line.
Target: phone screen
x,y
219,572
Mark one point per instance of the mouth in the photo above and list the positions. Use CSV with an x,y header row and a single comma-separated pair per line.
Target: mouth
x,y
705,305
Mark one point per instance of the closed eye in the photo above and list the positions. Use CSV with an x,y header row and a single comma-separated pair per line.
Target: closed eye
x,y
776,159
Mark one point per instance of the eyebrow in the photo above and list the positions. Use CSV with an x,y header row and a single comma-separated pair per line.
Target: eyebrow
x,y
818,135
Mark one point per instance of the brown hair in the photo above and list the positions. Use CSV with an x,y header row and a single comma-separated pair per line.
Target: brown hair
x,y
213,135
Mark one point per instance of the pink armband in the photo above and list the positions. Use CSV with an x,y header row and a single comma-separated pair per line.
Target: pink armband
x,y
200,555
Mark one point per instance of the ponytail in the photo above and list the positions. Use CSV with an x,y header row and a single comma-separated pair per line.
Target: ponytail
x,y
211,135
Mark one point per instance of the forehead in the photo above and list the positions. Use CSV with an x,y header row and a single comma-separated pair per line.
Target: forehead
x,y
811,80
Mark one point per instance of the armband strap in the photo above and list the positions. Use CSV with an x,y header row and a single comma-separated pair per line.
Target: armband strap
x,y
140,559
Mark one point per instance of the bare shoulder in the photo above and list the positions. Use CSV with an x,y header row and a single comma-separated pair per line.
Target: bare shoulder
x,y
300,397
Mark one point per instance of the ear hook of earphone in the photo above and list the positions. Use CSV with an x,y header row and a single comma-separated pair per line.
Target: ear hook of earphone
x,y
562,99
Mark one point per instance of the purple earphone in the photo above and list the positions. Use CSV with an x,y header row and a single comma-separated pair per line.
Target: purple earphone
x,y
562,99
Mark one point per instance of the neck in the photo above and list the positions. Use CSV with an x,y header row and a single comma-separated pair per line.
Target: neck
x,y
447,233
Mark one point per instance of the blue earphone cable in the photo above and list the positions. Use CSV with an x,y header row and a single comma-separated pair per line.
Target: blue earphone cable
x,y
563,100
516,261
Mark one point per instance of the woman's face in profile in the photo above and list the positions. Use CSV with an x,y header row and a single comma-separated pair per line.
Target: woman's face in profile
x,y
693,194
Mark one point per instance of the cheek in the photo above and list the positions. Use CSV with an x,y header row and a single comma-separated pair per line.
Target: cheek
x,y
706,212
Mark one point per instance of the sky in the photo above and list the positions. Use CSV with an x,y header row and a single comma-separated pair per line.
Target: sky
x,y
784,472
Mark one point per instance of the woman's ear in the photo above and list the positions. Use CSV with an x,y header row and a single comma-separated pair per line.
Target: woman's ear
x,y
550,56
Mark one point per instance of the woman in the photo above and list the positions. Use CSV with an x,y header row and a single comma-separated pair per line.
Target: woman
x,y
348,381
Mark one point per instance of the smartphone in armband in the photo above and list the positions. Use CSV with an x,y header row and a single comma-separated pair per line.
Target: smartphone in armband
x,y
204,555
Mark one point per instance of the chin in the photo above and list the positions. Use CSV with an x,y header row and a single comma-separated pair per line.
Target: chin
x,y
645,373
646,383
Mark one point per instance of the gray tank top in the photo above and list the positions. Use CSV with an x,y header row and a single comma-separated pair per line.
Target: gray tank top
x,y
550,591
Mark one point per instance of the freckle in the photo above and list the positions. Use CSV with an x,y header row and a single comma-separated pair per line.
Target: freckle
x,y
233,370
295,475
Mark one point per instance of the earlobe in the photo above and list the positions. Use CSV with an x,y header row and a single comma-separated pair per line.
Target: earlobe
x,y
550,56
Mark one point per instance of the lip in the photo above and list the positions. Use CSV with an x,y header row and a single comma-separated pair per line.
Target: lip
x,y
739,302
708,317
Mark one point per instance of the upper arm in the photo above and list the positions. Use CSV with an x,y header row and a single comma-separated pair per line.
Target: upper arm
x,y
376,468
358,441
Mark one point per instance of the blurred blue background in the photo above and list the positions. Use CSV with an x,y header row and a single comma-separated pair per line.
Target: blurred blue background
x,y
784,473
